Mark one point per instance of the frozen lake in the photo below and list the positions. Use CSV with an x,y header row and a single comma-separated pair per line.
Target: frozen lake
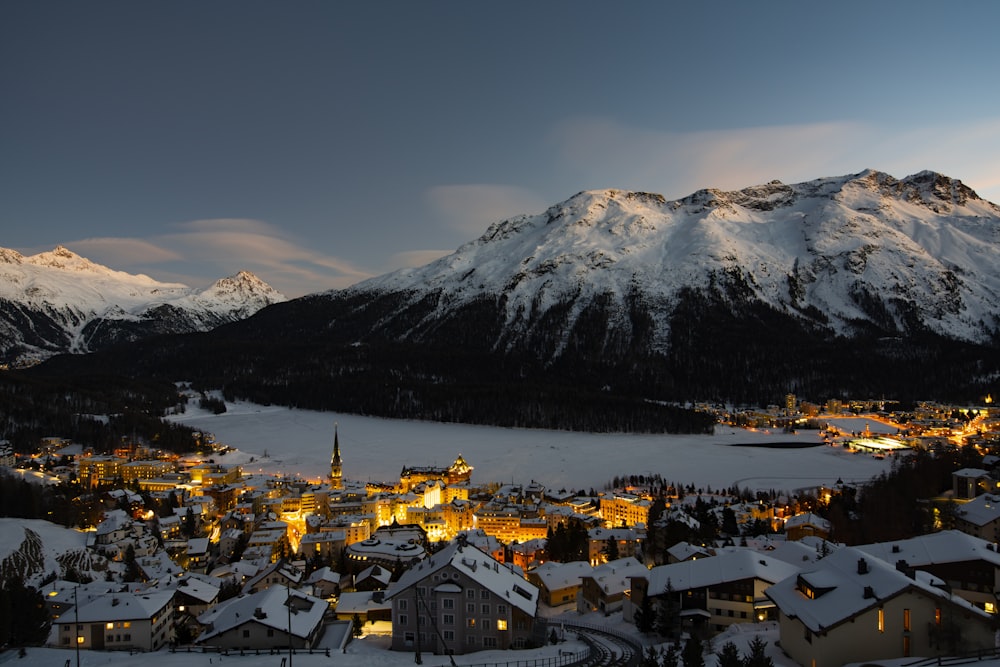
x,y
301,442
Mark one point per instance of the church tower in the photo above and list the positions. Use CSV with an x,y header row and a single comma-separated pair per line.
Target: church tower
x,y
336,468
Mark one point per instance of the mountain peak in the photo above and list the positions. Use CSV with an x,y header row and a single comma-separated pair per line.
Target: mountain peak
x,y
62,257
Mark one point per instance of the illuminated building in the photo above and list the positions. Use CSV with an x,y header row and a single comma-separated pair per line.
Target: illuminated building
x,y
99,470
621,509
336,465
458,472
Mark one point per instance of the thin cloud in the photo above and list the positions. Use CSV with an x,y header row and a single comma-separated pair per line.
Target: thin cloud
x,y
471,209
122,252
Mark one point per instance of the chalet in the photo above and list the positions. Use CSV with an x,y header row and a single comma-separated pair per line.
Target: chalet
x,y
276,574
461,600
724,589
119,621
559,583
604,588
806,524
980,517
853,607
272,618
970,566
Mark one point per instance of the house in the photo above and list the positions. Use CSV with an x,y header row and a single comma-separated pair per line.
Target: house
x,y
626,542
723,590
806,524
604,588
970,566
852,607
271,618
119,621
683,551
461,600
559,583
369,606
325,583
275,574
372,578
980,517
968,483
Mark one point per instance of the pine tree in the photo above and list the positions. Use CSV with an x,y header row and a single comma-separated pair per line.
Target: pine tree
x,y
729,656
756,656
692,655
668,657
650,658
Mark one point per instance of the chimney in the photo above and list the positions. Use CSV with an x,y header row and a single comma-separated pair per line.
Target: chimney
x,y
904,567
862,566
869,592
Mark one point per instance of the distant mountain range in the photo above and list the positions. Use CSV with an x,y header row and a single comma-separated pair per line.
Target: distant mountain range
x,y
620,301
57,301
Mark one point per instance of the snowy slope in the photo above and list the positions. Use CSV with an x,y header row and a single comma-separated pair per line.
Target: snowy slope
x,y
31,549
921,251
58,301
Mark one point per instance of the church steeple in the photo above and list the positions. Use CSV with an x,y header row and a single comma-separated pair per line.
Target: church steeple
x,y
336,467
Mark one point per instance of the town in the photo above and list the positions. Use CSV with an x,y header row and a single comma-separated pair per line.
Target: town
x,y
184,553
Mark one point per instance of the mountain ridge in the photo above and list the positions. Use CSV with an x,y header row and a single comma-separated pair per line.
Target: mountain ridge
x,y
59,301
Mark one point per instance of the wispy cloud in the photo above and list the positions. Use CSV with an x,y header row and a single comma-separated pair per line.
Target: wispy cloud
x,y
470,209
226,246
604,153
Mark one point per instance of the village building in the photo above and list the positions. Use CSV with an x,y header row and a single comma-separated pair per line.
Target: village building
x,y
461,600
275,617
117,621
853,607
717,591
604,588
559,583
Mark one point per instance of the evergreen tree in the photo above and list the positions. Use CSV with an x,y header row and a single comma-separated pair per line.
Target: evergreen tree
x,y
691,655
357,625
668,657
650,658
645,615
611,549
729,656
756,656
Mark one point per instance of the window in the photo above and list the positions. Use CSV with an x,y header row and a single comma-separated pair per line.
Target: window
x,y
471,594
470,623
448,603
448,635
501,609
470,608
484,594
906,646
408,638
489,642
404,619
471,640
246,633
448,619
906,620
486,608
937,616
501,624
270,632
881,620
401,605
421,591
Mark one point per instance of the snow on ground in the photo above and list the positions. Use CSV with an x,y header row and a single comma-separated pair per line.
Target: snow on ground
x,y
301,442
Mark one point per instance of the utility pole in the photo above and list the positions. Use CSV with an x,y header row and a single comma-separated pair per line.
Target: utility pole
x,y
288,603
76,628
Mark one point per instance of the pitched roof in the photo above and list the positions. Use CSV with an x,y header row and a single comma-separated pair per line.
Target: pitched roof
x,y
268,607
616,576
727,566
478,566
947,546
123,607
556,576
847,583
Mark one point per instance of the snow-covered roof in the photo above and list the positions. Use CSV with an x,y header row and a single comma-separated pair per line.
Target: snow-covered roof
x,y
722,568
947,546
807,519
981,510
123,607
478,566
268,607
848,582
616,576
556,576
686,551
361,602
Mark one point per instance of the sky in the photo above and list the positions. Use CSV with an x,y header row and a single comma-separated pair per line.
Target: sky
x,y
320,143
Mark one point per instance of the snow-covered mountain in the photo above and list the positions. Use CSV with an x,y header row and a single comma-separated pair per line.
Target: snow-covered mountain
x,y
851,254
57,302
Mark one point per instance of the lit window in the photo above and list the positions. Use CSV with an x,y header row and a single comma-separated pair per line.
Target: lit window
x,y
110,626
990,608
79,639
881,620
501,624
906,620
